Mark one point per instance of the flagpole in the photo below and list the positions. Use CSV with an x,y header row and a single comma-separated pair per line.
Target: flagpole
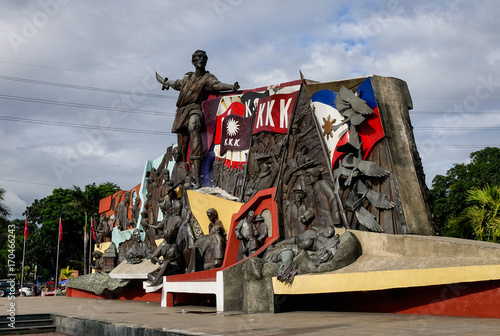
x,y
57,260
24,251
22,266
90,245
328,161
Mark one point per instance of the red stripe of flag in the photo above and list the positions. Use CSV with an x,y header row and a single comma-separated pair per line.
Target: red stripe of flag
x,y
92,226
60,229
26,233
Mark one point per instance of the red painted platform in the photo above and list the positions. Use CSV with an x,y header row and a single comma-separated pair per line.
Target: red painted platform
x,y
134,293
476,299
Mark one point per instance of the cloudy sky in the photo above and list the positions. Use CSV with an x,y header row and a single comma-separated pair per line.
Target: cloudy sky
x,y
79,103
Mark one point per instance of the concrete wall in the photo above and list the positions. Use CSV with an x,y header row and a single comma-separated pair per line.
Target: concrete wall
x,y
394,102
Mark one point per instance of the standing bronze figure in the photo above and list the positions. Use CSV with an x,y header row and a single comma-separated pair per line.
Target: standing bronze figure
x,y
326,211
194,88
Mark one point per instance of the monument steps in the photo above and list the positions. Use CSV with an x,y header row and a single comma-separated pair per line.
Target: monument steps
x,y
24,324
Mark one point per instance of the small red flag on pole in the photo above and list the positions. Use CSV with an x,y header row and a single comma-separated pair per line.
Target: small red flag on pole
x,y
26,233
60,229
92,226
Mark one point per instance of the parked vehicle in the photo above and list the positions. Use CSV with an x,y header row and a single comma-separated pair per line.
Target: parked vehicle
x,y
4,287
26,291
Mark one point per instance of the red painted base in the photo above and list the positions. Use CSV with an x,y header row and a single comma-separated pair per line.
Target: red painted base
x,y
478,299
177,299
135,293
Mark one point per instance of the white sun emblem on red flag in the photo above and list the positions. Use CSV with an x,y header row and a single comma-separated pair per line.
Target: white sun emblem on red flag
x,y
232,127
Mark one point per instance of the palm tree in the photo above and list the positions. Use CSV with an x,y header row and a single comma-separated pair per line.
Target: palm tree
x,y
4,209
66,273
83,203
87,202
481,218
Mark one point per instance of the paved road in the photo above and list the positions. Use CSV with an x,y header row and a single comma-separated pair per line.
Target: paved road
x,y
205,321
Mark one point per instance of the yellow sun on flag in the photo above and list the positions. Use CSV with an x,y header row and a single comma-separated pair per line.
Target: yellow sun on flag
x,y
328,127
232,127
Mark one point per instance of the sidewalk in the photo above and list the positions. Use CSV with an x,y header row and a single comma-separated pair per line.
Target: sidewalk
x,y
205,321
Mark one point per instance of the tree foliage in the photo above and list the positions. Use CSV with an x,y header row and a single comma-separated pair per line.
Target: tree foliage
x,y
7,255
4,234
481,218
66,273
43,222
450,192
4,209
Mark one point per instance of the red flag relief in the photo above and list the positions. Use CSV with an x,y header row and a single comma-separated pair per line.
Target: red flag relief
x,y
60,230
92,227
329,118
236,133
26,233
273,113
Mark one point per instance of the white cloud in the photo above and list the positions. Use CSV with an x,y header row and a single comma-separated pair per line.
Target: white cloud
x,y
16,205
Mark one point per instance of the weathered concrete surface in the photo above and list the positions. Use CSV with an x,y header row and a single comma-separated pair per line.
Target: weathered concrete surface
x,y
133,271
393,262
394,102
96,283
349,250
116,317
248,285
393,252
247,288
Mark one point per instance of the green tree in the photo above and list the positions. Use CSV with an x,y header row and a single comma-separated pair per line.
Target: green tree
x,y
62,203
87,202
66,273
4,234
449,192
4,209
6,253
481,219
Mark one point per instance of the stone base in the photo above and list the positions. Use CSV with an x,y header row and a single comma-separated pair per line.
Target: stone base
x,y
407,274
396,273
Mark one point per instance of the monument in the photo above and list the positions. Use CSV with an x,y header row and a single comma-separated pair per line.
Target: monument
x,y
296,190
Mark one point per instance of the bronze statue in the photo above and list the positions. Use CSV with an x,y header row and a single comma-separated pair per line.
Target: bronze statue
x,y
103,231
261,230
180,170
212,246
97,263
247,235
153,186
139,250
326,211
165,184
213,249
322,241
294,139
251,232
169,264
213,216
194,89
173,221
185,240
187,185
122,213
296,219
165,205
150,231
136,210
268,169
296,167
